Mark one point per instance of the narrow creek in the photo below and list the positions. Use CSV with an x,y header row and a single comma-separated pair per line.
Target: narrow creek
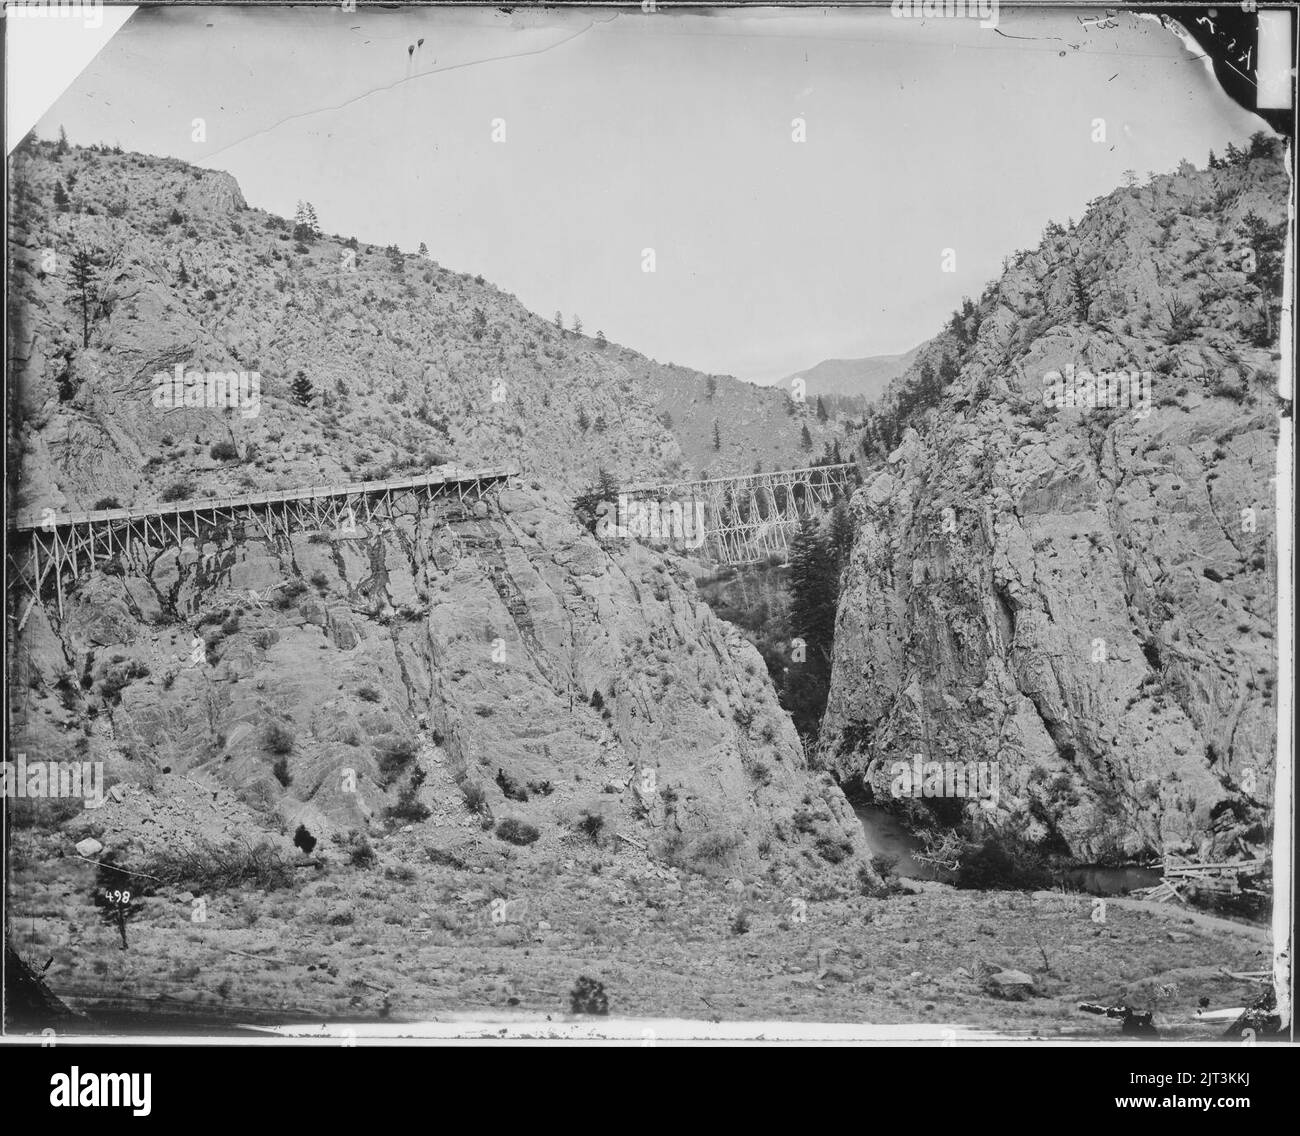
x,y
886,835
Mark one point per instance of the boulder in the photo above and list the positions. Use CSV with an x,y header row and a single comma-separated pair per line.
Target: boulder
x,y
1012,985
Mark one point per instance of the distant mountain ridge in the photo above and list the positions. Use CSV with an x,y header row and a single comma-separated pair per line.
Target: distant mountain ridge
x,y
868,377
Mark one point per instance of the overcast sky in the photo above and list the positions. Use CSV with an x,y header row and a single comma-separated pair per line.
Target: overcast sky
x,y
671,131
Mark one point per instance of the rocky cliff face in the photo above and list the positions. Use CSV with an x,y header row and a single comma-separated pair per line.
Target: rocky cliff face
x,y
435,662
1083,595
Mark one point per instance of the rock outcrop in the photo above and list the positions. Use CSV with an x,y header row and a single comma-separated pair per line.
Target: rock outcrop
x,y
329,678
1083,595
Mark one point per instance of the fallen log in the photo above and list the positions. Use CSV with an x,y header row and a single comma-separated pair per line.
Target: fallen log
x,y
260,958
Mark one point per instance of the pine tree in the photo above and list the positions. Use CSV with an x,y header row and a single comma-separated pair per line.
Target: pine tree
x,y
85,280
60,197
868,445
927,386
1262,146
717,436
813,588
805,438
606,488
842,532
814,580
1268,243
61,147
822,416
601,341
584,422
183,276
577,326
302,389
964,323
559,322
1082,301
305,226
606,485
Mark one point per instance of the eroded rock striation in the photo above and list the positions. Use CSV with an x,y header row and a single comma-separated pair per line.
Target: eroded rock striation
x,y
1084,595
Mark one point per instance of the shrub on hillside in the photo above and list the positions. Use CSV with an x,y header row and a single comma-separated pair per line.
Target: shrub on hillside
x,y
207,866
885,865
359,852
395,754
474,794
119,677
833,849
588,997
712,848
409,809
277,738
510,787
288,595
591,825
517,831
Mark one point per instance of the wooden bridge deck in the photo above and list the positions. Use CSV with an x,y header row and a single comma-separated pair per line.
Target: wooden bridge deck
x,y
451,478
837,473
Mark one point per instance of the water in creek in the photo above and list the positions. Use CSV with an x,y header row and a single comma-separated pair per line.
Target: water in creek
x,y
1109,881
886,836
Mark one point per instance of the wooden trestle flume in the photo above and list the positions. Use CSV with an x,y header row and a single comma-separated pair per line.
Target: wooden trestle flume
x,y
750,517
747,518
56,547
